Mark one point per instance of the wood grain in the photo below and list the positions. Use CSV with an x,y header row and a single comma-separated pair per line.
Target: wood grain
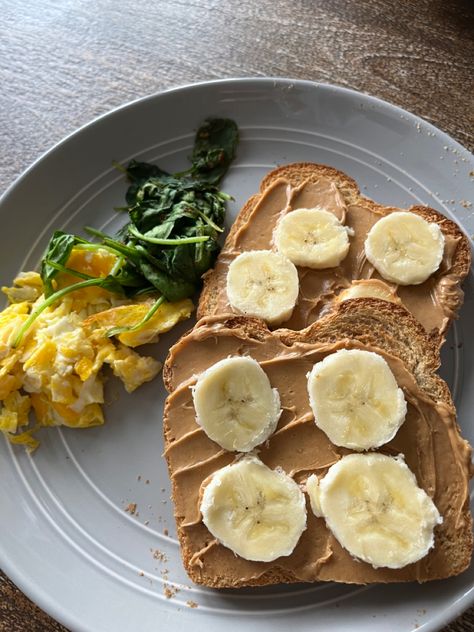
x,y
63,63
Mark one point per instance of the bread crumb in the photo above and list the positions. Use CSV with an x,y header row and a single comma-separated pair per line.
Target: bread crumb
x,y
191,604
131,508
465,203
141,573
159,555
170,590
147,482
165,531
139,478
146,523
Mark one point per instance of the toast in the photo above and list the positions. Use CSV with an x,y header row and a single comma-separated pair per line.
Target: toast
x,y
429,438
435,303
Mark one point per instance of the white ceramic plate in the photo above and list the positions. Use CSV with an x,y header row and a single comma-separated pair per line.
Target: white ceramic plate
x,y
65,537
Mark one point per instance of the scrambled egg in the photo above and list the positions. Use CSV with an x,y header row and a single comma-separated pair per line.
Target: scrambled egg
x,y
56,371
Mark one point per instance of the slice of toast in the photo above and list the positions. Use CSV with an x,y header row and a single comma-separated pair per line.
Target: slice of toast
x,y
429,439
435,303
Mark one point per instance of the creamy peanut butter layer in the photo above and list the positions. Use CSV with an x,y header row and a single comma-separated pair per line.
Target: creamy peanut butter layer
x,y
433,303
429,439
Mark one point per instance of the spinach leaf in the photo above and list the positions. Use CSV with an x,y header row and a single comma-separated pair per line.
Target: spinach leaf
x,y
174,289
57,251
139,173
214,149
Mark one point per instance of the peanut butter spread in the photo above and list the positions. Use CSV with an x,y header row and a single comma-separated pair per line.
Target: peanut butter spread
x,y
429,439
433,303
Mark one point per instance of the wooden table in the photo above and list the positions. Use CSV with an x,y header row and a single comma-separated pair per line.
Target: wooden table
x,y
63,62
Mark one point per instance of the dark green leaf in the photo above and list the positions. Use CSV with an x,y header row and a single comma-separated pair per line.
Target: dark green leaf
x,y
111,284
174,289
214,149
139,173
129,277
143,171
57,251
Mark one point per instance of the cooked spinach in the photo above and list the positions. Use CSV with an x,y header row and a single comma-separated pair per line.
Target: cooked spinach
x,y
171,237
214,149
175,219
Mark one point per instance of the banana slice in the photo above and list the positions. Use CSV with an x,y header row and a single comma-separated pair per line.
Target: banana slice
x,y
312,237
405,248
264,284
375,509
355,399
235,404
370,288
256,512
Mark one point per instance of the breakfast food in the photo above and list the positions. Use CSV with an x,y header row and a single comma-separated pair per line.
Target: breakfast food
x,y
418,257
57,370
264,284
375,509
91,303
312,237
256,512
404,248
355,399
235,403
427,487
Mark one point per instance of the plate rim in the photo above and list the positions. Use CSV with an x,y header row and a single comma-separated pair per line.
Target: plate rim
x,y
231,80
34,591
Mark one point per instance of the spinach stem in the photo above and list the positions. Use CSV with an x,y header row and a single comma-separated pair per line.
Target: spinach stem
x,y
120,248
108,243
95,232
119,167
117,265
166,242
120,330
49,301
66,270
209,221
